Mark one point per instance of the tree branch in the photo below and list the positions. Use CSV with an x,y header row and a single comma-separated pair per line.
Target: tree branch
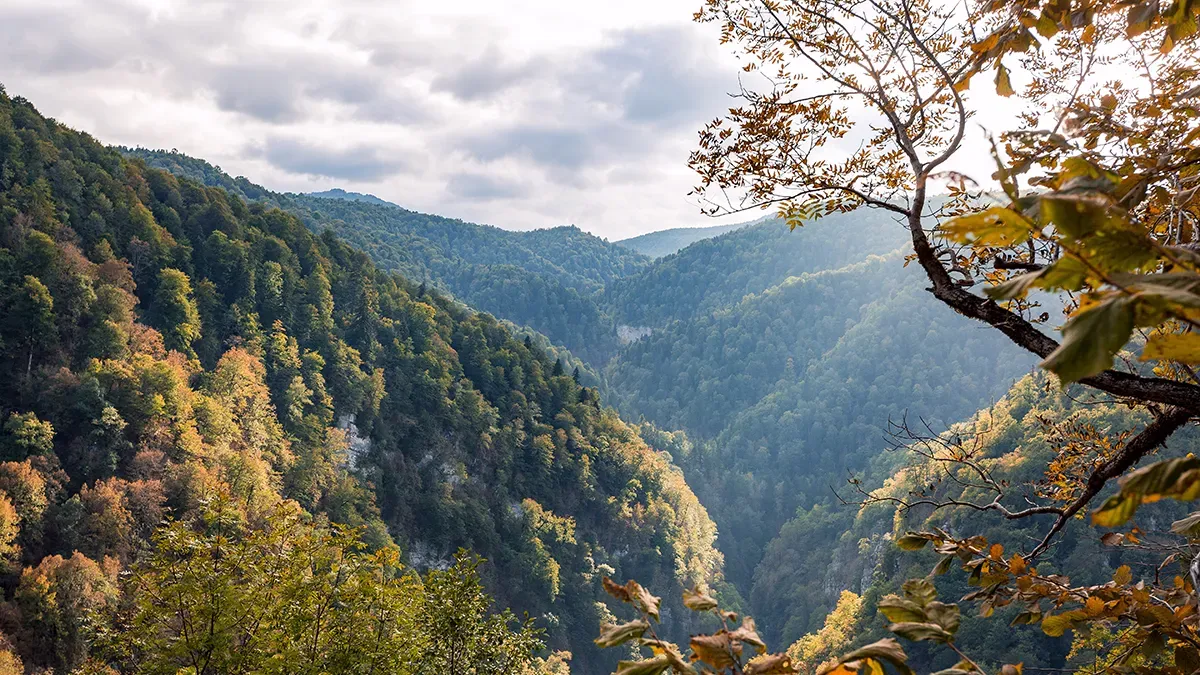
x,y
1155,434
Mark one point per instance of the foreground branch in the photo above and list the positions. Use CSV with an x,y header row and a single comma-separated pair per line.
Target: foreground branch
x,y
1155,434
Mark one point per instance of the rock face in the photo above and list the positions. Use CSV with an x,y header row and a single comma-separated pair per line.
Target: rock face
x,y
627,334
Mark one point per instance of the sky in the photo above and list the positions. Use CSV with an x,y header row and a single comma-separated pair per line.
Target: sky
x,y
520,114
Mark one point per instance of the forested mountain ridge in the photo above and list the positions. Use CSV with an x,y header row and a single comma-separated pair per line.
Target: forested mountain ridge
x,y
163,339
339,193
665,242
720,271
781,355
544,279
1014,439
785,390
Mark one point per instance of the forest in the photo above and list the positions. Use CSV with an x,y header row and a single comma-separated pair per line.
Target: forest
x,y
910,420
175,355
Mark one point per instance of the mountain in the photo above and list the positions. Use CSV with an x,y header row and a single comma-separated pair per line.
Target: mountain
x,y
544,279
717,272
163,340
782,355
821,552
339,193
768,361
665,242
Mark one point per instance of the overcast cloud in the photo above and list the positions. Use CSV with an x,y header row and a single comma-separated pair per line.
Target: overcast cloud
x,y
520,114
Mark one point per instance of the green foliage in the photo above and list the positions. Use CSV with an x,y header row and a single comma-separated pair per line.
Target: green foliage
x,y
543,279
219,596
27,436
662,243
462,637
203,345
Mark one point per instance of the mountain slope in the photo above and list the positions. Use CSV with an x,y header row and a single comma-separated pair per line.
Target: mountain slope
x,y
783,383
720,271
665,242
159,332
544,279
339,193
824,550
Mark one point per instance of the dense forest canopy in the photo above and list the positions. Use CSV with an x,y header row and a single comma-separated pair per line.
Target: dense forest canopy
x,y
245,431
544,279
1099,210
166,344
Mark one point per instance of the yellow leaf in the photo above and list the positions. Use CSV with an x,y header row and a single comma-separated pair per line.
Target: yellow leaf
x,y
1003,83
1181,347
996,551
1123,575
771,664
715,650
1094,606
654,666
698,601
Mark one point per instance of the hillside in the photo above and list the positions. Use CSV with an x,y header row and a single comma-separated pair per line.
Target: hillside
x,y
779,356
164,339
824,550
544,279
339,193
785,390
720,271
665,242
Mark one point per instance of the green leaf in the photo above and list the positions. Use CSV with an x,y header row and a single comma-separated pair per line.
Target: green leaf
x,y
612,635
1064,274
943,566
920,632
996,226
1046,26
1056,624
1076,216
945,615
1091,338
920,591
912,541
1177,478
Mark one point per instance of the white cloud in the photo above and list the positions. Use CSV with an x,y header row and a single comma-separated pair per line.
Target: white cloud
x,y
520,114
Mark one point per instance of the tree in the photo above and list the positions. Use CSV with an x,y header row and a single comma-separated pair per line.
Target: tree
x,y
57,599
219,596
1099,204
31,317
179,319
27,436
463,636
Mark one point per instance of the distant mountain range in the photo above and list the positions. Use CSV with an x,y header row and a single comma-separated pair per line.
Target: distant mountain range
x,y
780,355
665,242
339,193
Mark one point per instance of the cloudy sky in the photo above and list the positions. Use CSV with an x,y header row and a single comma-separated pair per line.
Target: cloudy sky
x,y
520,114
